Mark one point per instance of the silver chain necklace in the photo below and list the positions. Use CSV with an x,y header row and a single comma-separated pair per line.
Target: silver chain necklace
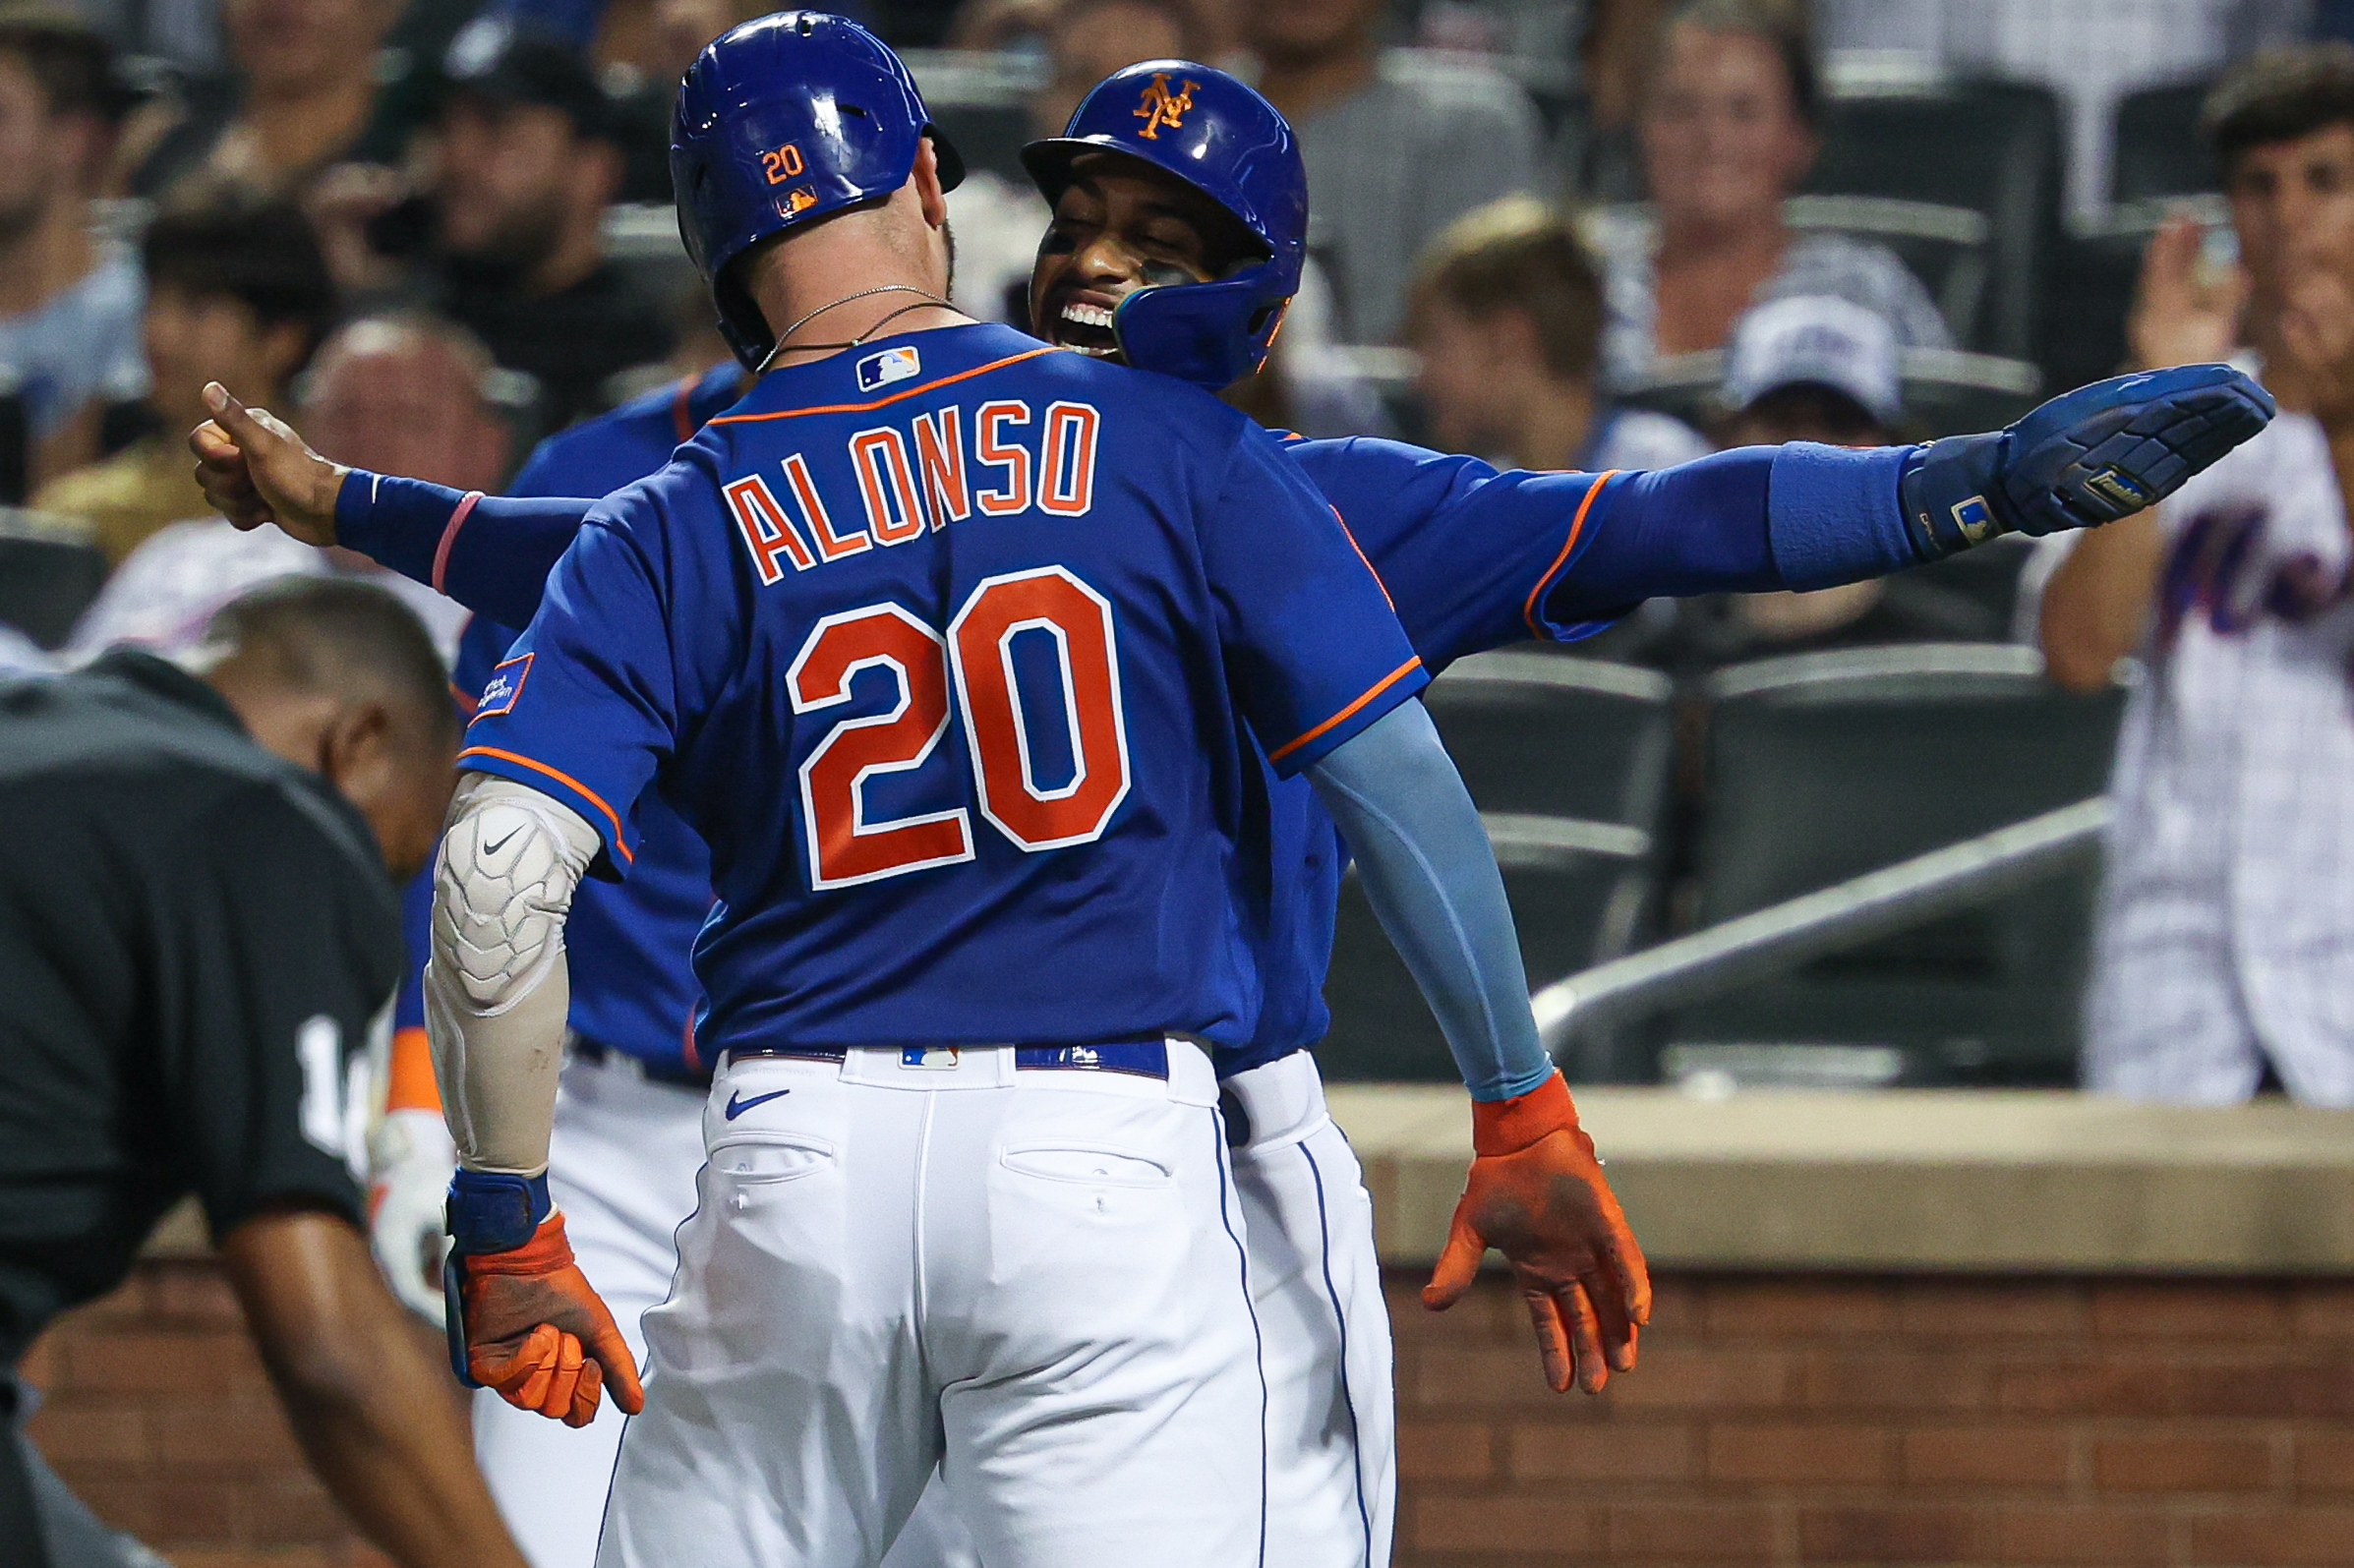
x,y
929,299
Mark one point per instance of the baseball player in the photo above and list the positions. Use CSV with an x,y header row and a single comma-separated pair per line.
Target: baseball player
x,y
1022,1260
1312,1264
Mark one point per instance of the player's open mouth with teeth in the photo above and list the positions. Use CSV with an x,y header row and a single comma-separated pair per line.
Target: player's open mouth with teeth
x,y
1085,322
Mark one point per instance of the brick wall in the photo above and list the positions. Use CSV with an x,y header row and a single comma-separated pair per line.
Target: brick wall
x,y
1882,1422
156,1412
1773,1422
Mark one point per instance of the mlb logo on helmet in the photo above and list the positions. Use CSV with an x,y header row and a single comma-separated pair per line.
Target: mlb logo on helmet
x,y
877,370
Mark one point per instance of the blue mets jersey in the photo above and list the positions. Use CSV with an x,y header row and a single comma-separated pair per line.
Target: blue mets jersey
x,y
633,985
941,646
1474,559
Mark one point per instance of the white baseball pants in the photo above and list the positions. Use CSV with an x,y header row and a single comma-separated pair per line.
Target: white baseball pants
x,y
1034,1280
621,1166
1324,1327
624,1169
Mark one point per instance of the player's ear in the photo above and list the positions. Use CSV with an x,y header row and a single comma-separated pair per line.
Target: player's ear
x,y
356,752
926,180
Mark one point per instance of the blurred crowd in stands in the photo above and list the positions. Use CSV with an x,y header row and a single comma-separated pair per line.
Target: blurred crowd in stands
x,y
1594,233
1557,233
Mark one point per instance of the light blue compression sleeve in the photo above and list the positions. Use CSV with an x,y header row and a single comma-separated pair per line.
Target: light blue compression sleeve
x,y
1432,880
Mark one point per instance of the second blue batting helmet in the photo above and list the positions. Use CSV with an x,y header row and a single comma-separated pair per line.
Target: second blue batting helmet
x,y
783,121
1219,137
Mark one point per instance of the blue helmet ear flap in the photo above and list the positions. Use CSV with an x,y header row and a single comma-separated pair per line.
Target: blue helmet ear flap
x,y
1211,334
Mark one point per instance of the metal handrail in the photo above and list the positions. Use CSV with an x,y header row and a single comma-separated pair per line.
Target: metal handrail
x,y
1782,936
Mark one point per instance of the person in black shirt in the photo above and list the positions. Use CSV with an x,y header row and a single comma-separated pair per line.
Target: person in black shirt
x,y
530,160
198,943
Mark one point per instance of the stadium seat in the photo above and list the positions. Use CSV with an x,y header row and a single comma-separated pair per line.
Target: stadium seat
x,y
2090,287
1825,765
45,582
1947,392
1537,734
2160,152
1948,247
1991,147
1976,591
1578,891
1568,759
2161,163
16,449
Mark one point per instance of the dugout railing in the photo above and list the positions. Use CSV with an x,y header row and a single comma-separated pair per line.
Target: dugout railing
x,y
1576,1016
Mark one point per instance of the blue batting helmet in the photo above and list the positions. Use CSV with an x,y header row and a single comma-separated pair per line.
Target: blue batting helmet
x,y
1225,140
783,121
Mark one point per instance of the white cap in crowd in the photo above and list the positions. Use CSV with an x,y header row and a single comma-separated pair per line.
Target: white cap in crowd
x,y
1815,338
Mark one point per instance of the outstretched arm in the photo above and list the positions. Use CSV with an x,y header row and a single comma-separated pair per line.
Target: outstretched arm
x,y
492,553
1535,1192
1477,558
1833,515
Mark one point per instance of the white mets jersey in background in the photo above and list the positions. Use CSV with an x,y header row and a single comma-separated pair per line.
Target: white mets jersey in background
x,y
2226,927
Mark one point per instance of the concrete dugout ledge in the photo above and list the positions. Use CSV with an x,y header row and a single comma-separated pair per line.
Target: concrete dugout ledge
x,y
1911,1180
1899,1180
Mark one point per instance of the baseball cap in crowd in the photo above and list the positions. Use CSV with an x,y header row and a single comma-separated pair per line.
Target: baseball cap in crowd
x,y
497,59
1816,340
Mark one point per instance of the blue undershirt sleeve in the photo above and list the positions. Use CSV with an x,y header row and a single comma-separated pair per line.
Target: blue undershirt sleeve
x,y
1697,528
1749,520
1432,880
1834,515
493,557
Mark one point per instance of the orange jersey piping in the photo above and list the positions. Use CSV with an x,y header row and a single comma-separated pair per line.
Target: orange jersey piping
x,y
880,402
1345,714
1578,526
564,779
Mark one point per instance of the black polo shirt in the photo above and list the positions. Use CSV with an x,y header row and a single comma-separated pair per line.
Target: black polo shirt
x,y
197,942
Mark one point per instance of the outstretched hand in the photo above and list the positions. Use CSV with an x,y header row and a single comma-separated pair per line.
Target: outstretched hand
x,y
1545,1205
255,468
2085,458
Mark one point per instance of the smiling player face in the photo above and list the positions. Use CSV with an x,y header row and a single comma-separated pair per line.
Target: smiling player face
x,y
1124,225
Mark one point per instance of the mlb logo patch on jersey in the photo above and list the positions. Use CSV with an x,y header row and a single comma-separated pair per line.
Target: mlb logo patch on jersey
x,y
505,684
879,371
937,1058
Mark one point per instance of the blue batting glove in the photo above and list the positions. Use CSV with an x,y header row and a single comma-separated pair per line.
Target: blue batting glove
x,y
2086,458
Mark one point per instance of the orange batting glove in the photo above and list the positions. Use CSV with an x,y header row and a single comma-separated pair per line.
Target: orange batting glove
x,y
1536,1194
523,1319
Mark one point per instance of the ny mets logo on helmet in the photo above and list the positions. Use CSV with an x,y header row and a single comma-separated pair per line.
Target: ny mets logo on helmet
x,y
1163,107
